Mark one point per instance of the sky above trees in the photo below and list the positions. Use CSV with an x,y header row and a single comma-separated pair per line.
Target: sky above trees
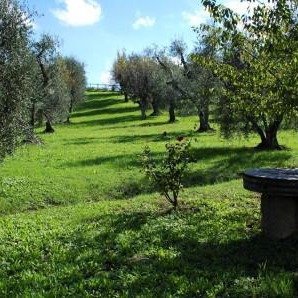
x,y
94,30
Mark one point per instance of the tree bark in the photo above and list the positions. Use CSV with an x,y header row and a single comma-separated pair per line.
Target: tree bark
x,y
125,97
69,111
49,128
204,121
155,106
269,139
172,112
143,105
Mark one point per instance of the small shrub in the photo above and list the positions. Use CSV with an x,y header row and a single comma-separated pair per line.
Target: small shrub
x,y
167,176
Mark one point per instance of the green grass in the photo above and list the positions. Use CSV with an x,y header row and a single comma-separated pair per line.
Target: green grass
x,y
80,219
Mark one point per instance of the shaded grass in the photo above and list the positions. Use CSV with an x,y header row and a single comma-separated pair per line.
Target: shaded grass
x,y
214,250
109,234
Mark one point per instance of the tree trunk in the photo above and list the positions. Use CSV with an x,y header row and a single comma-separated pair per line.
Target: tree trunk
x,y
156,110
172,112
125,96
49,128
270,141
69,111
143,105
269,137
204,121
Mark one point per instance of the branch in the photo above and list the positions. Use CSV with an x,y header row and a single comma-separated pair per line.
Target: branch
x,y
43,72
173,81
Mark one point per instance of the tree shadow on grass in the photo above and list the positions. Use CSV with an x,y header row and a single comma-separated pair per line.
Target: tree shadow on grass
x,y
108,121
155,123
117,161
125,189
146,253
224,164
146,123
230,163
109,111
102,94
97,103
81,141
156,137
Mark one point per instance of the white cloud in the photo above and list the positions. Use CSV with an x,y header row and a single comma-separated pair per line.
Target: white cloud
x,y
196,18
78,12
143,22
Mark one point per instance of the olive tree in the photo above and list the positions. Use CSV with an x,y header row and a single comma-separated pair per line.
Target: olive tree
x,y
15,75
170,89
145,82
53,96
120,73
136,75
74,75
163,94
258,67
191,80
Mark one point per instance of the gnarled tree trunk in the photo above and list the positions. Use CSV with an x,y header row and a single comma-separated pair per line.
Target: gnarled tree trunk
x,y
268,136
204,121
49,128
69,111
143,106
155,106
172,112
125,96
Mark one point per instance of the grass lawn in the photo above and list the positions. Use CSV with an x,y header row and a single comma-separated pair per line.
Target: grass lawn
x,y
79,218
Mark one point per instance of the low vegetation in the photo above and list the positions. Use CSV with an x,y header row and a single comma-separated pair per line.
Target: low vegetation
x,y
168,175
79,217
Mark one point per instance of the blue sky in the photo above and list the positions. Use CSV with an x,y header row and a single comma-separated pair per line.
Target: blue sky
x,y
94,30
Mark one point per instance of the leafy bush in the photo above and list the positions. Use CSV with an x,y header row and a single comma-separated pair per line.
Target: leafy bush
x,y
167,176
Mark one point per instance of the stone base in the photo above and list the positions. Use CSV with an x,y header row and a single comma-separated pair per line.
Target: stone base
x,y
279,216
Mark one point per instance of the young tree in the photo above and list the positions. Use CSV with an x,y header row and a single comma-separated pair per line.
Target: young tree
x,y
53,92
74,75
258,67
139,73
172,89
15,76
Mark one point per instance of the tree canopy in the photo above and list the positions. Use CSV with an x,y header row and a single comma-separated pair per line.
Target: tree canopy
x,y
34,78
15,75
257,66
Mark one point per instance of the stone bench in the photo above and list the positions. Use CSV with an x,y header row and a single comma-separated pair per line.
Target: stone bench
x,y
279,200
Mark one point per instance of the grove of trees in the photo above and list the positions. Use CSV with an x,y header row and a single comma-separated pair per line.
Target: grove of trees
x,y
242,73
243,69
35,80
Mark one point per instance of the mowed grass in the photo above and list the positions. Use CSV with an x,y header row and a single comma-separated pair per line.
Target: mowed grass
x,y
80,219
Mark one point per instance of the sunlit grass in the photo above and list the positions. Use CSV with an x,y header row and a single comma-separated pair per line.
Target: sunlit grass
x,y
79,218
